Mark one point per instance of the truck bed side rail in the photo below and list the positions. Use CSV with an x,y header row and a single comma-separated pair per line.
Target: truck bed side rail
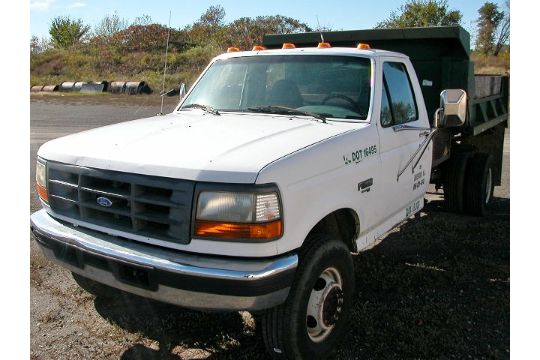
x,y
489,107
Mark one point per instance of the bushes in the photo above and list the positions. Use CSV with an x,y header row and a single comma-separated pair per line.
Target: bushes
x,y
147,38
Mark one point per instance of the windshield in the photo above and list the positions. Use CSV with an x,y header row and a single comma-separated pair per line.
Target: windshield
x,y
330,86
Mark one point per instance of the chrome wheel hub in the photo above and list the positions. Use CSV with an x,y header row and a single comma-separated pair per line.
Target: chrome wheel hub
x,y
325,305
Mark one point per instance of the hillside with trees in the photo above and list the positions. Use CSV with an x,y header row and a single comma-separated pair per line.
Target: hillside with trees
x,y
116,49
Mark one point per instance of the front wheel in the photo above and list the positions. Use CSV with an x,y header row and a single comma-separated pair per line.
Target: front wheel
x,y
313,319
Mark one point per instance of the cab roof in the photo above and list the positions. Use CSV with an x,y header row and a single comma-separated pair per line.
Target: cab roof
x,y
339,51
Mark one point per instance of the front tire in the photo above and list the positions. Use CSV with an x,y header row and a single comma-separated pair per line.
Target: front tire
x,y
314,317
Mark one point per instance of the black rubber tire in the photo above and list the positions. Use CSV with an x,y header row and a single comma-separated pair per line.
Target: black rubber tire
x,y
284,328
480,167
95,288
454,181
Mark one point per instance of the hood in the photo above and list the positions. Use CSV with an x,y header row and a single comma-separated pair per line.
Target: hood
x,y
192,144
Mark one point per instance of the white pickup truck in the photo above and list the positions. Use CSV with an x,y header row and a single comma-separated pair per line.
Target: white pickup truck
x,y
276,166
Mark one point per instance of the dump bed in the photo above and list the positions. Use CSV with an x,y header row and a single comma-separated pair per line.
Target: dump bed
x,y
441,58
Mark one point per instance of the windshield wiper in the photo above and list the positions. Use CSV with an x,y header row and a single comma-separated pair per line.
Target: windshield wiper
x,y
272,109
206,108
355,117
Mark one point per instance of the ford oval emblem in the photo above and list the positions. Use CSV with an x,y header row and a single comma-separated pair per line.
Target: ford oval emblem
x,y
103,201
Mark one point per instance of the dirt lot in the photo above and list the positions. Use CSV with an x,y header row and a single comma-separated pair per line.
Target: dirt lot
x,y
437,287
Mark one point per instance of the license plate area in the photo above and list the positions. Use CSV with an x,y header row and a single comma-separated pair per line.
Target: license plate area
x,y
135,276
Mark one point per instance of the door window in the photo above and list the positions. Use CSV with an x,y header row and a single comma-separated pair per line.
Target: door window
x,y
398,105
386,113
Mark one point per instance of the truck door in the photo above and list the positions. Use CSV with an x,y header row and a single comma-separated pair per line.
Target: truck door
x,y
403,127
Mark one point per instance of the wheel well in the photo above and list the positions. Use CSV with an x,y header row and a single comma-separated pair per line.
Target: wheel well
x,y
342,224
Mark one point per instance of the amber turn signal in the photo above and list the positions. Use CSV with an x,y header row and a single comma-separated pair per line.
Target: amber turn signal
x,y
258,231
42,192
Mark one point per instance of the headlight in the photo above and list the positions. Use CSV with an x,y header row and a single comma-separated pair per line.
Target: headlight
x,y
225,206
41,180
236,215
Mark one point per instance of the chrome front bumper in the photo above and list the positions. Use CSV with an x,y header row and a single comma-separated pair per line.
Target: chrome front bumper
x,y
189,280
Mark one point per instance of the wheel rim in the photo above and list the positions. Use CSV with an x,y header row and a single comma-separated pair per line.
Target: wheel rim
x,y
325,305
488,186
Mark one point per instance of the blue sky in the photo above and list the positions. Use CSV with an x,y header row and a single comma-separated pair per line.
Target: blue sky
x,y
338,15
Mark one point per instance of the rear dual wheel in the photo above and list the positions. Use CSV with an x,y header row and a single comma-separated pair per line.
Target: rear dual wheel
x,y
314,317
469,183
478,191
454,181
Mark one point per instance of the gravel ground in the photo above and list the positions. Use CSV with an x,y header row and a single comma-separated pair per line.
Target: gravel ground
x,y
438,286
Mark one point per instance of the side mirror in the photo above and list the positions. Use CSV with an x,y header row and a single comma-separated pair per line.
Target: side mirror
x,y
453,108
182,91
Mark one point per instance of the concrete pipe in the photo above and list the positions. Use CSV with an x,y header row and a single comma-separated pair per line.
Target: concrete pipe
x,y
67,86
117,87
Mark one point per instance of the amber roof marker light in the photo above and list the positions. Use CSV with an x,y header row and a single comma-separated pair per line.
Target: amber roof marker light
x,y
363,46
288,46
232,49
258,48
324,45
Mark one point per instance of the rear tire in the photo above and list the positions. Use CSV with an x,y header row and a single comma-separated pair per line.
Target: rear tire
x,y
314,317
95,288
479,184
454,181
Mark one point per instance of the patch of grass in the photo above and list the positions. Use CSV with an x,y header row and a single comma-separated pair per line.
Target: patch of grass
x,y
491,65
37,263
88,64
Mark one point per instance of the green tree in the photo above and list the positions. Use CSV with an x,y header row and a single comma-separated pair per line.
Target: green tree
x,y
493,29
214,16
66,32
246,32
209,25
278,24
421,13
110,25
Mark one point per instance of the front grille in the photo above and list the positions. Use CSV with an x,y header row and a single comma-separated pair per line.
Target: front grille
x,y
148,206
